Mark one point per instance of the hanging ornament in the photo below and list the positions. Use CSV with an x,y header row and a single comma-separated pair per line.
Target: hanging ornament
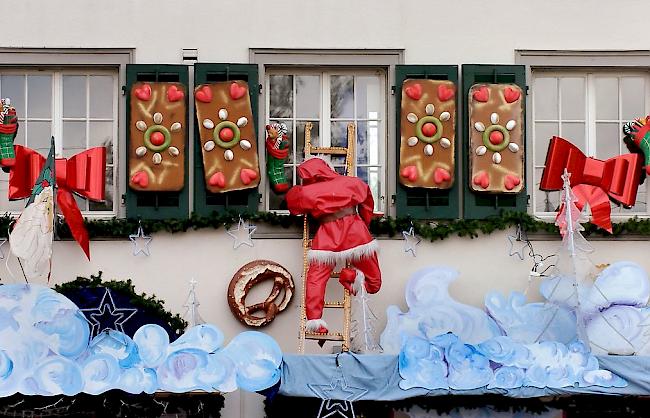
x,y
8,130
411,241
242,234
141,241
337,396
192,316
518,243
2,253
107,317
277,151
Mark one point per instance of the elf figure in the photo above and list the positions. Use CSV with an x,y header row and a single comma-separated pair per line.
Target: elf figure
x,y
8,130
344,207
637,138
277,150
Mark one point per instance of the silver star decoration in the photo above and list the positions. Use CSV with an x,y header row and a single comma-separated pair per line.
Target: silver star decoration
x,y
341,407
141,242
411,241
118,316
2,253
515,242
242,234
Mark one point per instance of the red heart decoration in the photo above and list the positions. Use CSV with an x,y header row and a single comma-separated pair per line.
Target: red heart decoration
x,y
482,94
140,179
217,179
237,91
247,175
445,93
482,179
511,181
204,94
414,91
410,173
441,175
143,93
511,95
175,94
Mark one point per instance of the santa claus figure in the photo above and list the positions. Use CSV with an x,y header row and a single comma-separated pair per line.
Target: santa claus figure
x,y
344,207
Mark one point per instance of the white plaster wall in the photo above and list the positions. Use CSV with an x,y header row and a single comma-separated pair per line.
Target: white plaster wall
x,y
431,32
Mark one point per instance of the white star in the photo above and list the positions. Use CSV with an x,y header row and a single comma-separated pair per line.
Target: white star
x,y
138,238
411,241
242,234
2,253
337,398
520,252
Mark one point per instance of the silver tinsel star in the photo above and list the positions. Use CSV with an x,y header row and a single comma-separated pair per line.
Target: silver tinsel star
x,y
242,234
141,242
411,241
343,405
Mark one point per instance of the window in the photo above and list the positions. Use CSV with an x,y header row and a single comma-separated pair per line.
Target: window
x,y
589,109
78,108
331,99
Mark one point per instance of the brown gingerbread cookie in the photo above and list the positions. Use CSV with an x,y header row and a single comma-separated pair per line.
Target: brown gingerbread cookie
x,y
157,137
228,141
496,138
249,276
428,127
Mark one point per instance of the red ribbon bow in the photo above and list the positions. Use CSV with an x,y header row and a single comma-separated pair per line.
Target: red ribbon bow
x,y
593,181
83,174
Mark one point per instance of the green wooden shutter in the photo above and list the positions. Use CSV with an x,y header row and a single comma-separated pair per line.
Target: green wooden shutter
x,y
155,205
420,203
478,205
206,202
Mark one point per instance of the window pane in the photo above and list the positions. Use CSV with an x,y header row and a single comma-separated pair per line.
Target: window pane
x,y
608,140
544,201
641,206
607,98
7,205
281,99
545,96
20,136
108,196
39,94
39,136
575,133
368,146
290,136
368,97
101,134
74,96
572,90
371,176
342,96
339,133
101,96
544,131
13,87
308,96
74,137
276,201
300,139
632,97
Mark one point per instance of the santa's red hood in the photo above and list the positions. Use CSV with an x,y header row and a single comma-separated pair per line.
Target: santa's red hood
x,y
315,170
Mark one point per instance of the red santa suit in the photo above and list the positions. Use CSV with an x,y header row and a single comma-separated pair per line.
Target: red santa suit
x,y
344,207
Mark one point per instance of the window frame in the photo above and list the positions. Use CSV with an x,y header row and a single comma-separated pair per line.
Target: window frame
x,y
581,60
325,119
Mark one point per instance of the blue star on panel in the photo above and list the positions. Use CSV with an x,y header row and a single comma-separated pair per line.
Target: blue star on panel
x,y
107,316
341,407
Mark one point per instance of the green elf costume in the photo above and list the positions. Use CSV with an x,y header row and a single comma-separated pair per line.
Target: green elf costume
x,y
277,151
8,130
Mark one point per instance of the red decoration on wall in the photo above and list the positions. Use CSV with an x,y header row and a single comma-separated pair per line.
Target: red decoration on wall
x,y
175,94
482,94
414,91
593,181
482,179
410,172
144,92
140,179
445,93
440,175
511,95
204,94
247,175
237,91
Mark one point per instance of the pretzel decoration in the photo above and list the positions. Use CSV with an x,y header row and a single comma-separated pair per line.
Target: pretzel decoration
x,y
250,275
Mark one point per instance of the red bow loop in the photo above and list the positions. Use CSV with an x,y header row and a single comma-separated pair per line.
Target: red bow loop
x,y
593,181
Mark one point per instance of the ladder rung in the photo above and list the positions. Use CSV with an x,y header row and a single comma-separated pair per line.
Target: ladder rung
x,y
329,150
334,304
337,336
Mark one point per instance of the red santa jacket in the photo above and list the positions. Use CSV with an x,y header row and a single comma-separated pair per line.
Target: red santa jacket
x,y
325,192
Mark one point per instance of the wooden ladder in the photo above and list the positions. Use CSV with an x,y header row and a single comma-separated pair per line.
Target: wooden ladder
x,y
345,304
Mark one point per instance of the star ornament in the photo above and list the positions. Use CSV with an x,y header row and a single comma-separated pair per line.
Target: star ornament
x,y
141,242
242,234
411,241
345,395
107,316
517,246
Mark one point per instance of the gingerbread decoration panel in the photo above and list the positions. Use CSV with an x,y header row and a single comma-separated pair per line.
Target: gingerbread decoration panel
x,y
496,154
428,134
157,137
227,136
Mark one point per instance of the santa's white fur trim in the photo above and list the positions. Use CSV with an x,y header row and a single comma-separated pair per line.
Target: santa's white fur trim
x,y
313,325
351,254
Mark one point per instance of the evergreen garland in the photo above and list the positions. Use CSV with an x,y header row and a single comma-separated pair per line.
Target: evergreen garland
x,y
150,304
431,230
